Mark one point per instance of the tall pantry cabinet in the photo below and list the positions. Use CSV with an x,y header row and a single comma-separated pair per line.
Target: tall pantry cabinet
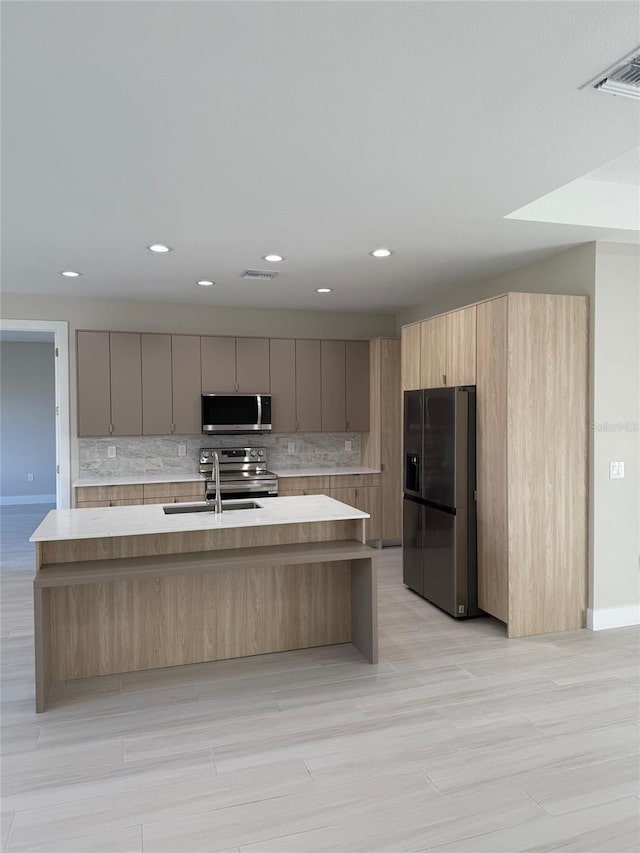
x,y
532,457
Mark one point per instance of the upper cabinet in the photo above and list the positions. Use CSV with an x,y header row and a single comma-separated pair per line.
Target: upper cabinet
x,y
252,365
357,385
235,364
410,357
460,368
308,387
157,397
186,384
282,361
332,358
218,365
94,383
150,383
440,351
433,346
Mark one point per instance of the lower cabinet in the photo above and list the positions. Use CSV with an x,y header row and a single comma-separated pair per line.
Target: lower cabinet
x,y
359,490
139,493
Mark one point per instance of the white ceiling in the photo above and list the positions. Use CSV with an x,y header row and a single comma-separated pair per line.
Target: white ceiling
x,y
316,130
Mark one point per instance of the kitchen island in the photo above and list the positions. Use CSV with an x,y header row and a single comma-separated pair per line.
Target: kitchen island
x,y
121,589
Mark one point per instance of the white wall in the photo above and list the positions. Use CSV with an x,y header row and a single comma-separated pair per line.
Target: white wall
x,y
27,420
615,522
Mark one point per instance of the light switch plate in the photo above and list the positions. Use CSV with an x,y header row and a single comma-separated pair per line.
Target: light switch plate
x,y
616,470
347,446
111,451
291,448
30,478
182,450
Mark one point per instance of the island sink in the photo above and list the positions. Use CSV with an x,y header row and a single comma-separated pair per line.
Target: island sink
x,y
172,509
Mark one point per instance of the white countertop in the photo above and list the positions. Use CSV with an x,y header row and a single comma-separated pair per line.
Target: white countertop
x,y
324,472
105,522
135,479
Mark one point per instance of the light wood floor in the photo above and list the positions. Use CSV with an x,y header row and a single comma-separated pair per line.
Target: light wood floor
x,y
459,740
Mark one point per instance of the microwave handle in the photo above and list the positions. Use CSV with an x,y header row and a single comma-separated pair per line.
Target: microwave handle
x,y
259,399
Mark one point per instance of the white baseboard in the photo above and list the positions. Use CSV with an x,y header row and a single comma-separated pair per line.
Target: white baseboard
x,y
613,617
13,500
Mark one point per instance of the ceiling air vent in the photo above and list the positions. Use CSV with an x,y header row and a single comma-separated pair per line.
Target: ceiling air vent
x,y
261,275
622,78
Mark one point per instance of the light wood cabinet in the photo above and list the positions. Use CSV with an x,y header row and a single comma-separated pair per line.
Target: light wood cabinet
x,y
308,386
252,365
282,365
441,351
411,357
532,450
368,500
381,446
433,348
460,352
94,383
218,357
357,385
333,386
186,384
157,397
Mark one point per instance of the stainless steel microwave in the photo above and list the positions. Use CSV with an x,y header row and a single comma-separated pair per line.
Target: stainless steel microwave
x,y
228,413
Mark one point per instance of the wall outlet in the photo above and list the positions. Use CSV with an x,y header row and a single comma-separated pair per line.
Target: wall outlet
x,y
347,446
291,448
111,451
30,478
182,450
616,470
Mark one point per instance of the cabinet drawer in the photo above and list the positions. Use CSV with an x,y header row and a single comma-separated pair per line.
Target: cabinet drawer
x,y
130,502
320,484
109,493
161,490
89,504
190,499
161,499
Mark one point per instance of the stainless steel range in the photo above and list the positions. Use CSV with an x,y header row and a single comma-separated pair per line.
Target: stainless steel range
x,y
243,473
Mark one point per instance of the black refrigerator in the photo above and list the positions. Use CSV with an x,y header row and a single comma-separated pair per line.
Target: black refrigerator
x,y
439,507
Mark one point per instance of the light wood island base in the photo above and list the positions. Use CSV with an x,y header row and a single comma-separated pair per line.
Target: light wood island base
x,y
122,604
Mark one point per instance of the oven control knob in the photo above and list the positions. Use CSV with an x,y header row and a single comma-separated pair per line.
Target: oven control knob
x,y
253,453
205,454
261,453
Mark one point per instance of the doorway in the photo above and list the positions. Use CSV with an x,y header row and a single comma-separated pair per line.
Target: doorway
x,y
36,466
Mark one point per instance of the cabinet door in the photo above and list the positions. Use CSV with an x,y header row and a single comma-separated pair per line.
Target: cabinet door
x,y
187,383
126,383
94,383
357,385
368,500
410,357
308,408
157,408
333,386
252,365
218,357
346,496
282,366
461,347
491,455
433,345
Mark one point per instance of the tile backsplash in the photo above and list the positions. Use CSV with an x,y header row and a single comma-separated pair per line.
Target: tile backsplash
x,y
159,454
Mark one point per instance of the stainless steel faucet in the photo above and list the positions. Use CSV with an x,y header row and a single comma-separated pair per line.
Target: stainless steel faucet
x,y
215,505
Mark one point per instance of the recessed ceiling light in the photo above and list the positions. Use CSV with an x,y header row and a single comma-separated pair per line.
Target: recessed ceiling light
x,y
205,283
70,274
381,253
273,258
159,248
324,290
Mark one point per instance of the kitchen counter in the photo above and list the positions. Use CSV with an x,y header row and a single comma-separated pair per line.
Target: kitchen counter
x,y
127,588
135,479
108,522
